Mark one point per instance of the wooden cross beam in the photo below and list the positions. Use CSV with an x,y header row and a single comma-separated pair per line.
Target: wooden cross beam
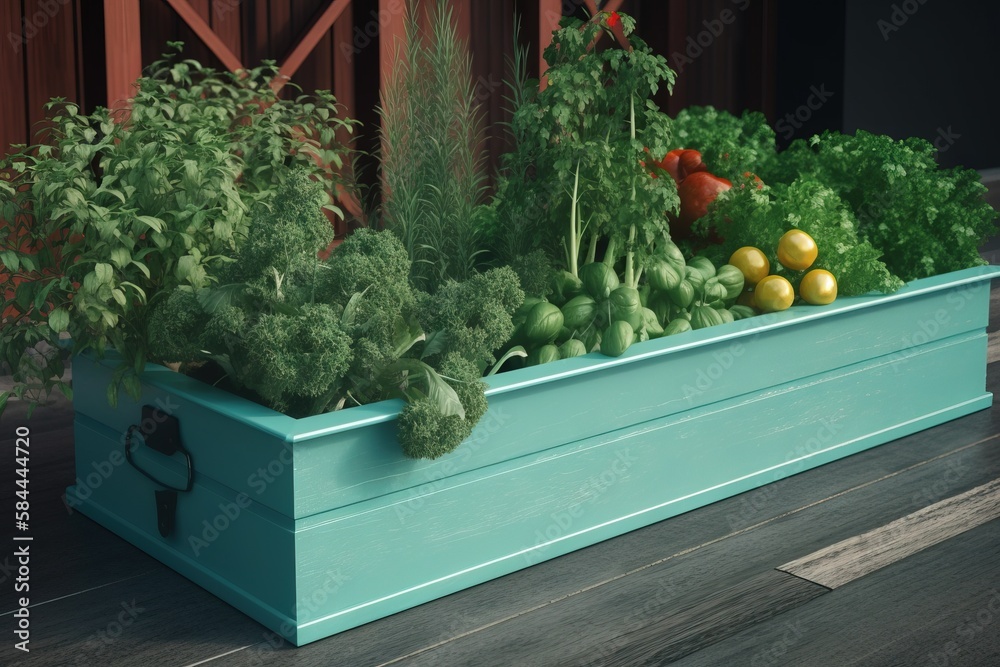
x,y
308,43
205,33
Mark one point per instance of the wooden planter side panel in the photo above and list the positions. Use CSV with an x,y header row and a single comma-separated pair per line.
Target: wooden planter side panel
x,y
408,549
594,394
325,572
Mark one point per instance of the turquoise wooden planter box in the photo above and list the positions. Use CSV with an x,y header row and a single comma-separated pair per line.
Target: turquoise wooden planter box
x,y
313,526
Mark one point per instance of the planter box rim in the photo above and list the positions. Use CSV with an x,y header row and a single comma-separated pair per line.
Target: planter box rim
x,y
292,430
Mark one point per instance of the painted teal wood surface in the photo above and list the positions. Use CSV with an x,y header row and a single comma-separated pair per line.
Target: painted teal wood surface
x,y
335,528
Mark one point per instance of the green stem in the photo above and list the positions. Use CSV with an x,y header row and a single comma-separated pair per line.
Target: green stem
x,y
630,258
592,251
574,236
611,254
630,274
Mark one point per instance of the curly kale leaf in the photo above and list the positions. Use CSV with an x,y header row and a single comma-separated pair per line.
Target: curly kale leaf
x,y
427,432
285,235
174,326
290,360
925,220
730,145
368,275
535,271
474,318
746,216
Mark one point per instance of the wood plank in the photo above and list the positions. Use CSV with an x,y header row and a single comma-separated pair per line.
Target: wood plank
x,y
680,632
226,24
201,28
50,58
857,556
923,611
123,51
391,37
316,32
14,123
157,619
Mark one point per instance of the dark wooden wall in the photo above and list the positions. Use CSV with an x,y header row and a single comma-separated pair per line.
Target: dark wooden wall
x,y
41,47
64,56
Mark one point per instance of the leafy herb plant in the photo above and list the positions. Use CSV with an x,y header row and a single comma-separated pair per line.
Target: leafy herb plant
x,y
577,179
120,208
432,170
926,220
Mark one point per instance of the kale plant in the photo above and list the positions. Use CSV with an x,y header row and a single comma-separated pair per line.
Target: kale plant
x,y
305,336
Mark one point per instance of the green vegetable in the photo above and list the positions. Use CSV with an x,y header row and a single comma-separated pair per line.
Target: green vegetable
x,y
704,266
564,286
742,312
572,348
618,337
751,217
663,276
651,323
579,312
924,220
705,316
714,291
431,134
599,280
543,323
624,301
732,279
676,326
543,355
475,316
682,295
127,212
694,276
576,175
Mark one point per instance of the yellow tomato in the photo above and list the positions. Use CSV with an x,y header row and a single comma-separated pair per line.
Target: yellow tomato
x,y
746,299
752,262
818,287
772,294
797,250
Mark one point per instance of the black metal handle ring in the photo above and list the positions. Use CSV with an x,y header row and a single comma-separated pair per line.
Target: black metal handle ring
x,y
187,459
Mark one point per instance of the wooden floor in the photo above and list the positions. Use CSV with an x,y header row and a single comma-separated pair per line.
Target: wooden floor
x,y
888,557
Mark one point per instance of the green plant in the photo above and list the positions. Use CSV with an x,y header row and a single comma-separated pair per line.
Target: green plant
x,y
432,170
752,216
305,335
121,208
730,145
577,177
926,220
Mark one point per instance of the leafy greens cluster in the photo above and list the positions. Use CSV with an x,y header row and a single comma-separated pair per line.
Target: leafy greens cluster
x,y
117,209
925,220
752,216
731,145
576,179
306,336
